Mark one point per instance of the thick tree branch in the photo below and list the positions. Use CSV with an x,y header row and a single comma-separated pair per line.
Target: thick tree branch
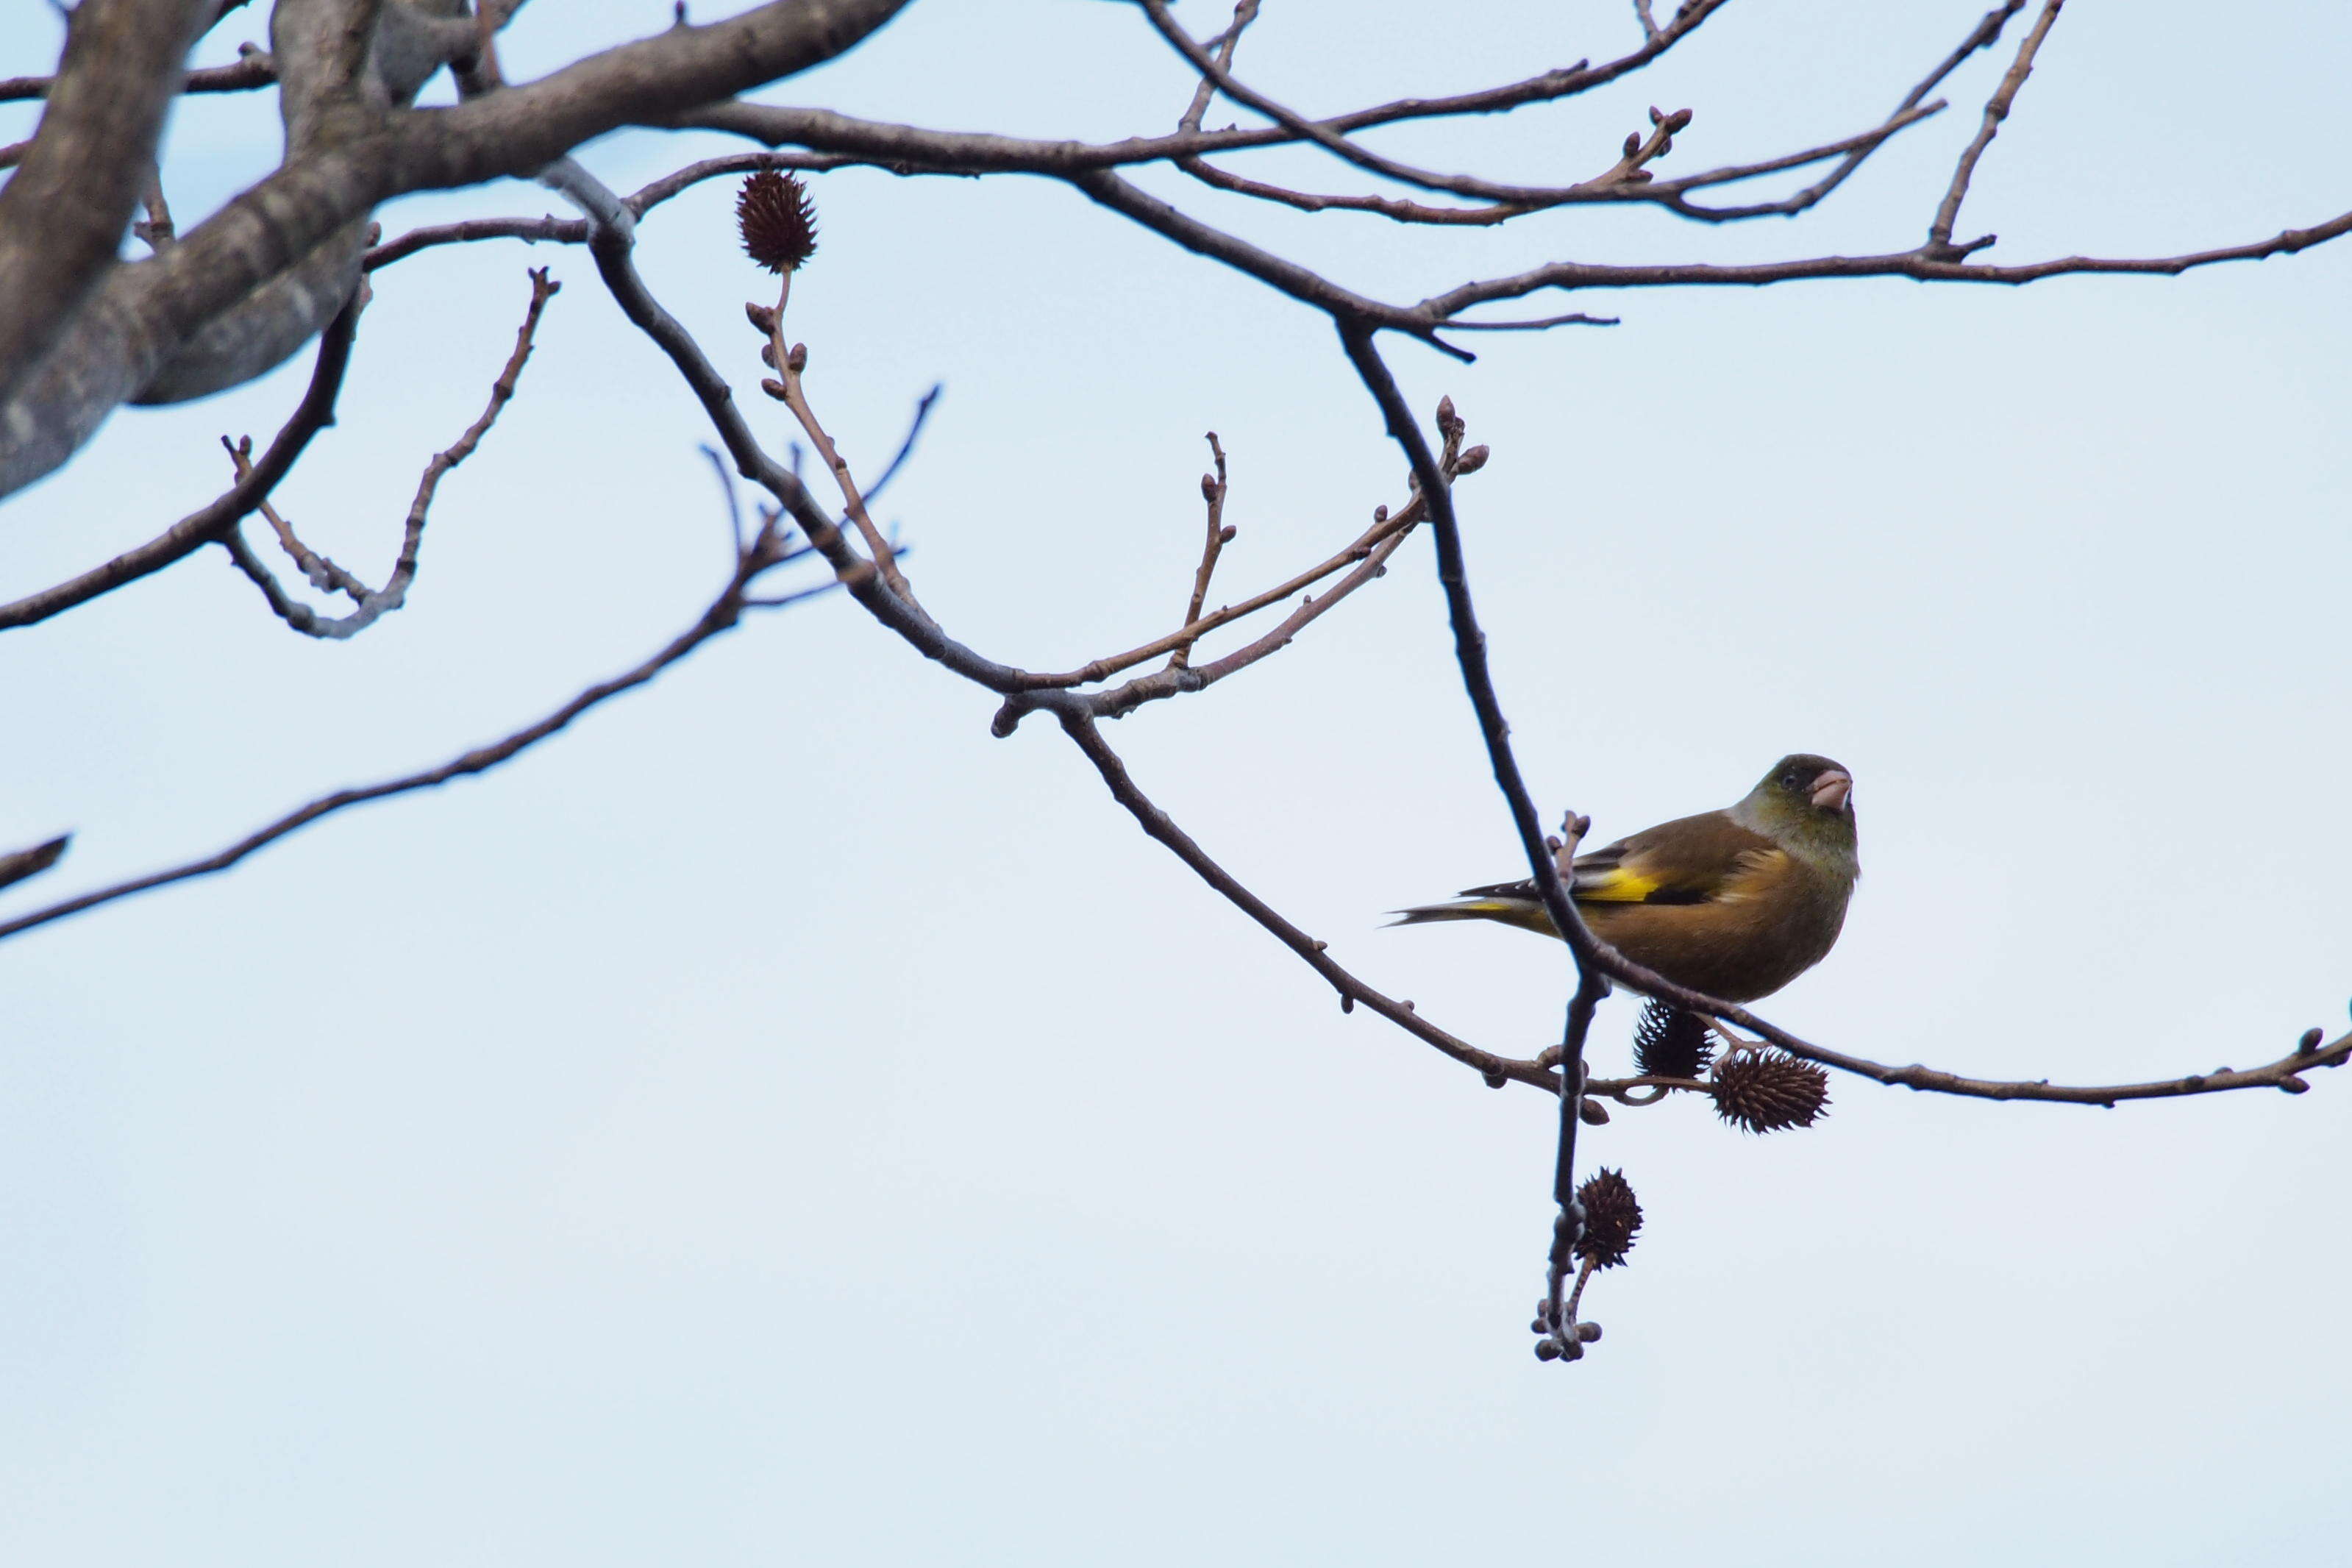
x,y
65,210
150,308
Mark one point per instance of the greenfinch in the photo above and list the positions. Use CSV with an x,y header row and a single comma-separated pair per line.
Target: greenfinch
x,y
1735,903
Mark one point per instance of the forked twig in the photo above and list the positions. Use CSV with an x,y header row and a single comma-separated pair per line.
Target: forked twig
x,y
373,603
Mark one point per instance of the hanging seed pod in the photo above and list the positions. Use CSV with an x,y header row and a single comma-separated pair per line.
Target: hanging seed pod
x,y
1763,1091
1669,1042
777,220
1612,1215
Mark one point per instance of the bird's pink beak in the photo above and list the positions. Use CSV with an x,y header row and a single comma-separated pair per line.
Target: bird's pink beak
x,y
1831,790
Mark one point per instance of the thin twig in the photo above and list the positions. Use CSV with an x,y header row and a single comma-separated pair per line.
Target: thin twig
x,y
1337,144
1914,105
563,230
1212,491
17,865
722,614
374,606
923,406
1996,110
794,396
1244,12
1386,526
253,70
1081,727
321,571
1919,264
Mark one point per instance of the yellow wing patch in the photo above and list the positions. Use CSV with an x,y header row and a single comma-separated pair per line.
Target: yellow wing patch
x,y
1616,886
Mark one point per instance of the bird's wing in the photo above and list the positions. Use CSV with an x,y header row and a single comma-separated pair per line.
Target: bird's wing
x,y
1691,860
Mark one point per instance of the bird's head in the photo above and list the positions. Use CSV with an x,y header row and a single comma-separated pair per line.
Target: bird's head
x,y
1805,802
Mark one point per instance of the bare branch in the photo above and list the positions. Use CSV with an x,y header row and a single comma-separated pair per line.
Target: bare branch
x,y
722,615
1497,1070
788,389
1212,491
1244,12
1384,526
1288,276
1983,36
321,572
563,230
1917,264
15,867
198,529
253,70
1335,143
1996,110
375,605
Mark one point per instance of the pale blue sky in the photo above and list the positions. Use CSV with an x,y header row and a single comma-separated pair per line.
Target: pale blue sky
x,y
777,1122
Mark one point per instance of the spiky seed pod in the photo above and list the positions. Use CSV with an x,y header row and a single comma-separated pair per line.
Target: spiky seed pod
x,y
1671,1043
778,221
1763,1091
1612,1215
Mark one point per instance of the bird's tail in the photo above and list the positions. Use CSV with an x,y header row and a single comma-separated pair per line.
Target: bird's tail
x,y
1528,914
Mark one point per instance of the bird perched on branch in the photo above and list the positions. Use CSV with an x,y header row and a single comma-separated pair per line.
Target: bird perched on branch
x,y
1735,903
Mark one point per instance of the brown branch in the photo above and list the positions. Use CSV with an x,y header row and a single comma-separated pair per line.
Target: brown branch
x,y
789,391
1594,957
198,529
1497,1070
1076,716
1915,264
1278,272
322,571
1987,31
1244,12
561,230
669,186
1121,701
575,231
254,68
1212,491
907,149
765,551
23,863
375,605
1384,526
1322,134
1996,110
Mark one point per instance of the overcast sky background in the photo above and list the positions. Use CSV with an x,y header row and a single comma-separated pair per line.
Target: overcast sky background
x,y
776,1122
